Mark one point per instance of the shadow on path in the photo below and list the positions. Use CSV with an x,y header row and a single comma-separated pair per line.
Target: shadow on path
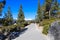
x,y
23,30
14,35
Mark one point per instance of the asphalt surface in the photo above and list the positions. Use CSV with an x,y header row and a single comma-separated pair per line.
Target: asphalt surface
x,y
32,33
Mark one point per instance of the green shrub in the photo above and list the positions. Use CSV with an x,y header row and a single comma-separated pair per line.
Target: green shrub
x,y
46,24
45,29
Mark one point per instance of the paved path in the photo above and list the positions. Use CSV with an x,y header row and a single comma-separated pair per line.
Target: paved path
x,y
32,33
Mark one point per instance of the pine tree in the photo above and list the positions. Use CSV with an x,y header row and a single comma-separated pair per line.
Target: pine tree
x,y
39,14
5,23
8,17
43,11
55,8
20,20
2,4
47,8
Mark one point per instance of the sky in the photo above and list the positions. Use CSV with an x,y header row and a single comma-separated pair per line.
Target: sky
x,y
29,7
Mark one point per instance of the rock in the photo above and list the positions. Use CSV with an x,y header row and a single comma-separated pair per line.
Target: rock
x,y
54,31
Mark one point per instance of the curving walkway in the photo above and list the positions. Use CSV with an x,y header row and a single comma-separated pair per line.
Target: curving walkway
x,y
32,33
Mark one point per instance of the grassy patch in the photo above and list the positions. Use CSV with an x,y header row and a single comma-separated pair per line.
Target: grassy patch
x,y
45,29
45,23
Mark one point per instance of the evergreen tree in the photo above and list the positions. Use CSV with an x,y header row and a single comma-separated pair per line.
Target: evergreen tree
x,y
39,14
5,23
55,8
43,11
2,4
47,8
8,17
58,13
21,17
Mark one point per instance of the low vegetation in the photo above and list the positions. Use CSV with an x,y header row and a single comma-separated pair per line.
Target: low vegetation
x,y
47,14
46,24
8,23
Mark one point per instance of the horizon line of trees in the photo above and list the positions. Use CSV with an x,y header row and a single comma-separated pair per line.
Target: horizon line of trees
x,y
8,18
48,10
